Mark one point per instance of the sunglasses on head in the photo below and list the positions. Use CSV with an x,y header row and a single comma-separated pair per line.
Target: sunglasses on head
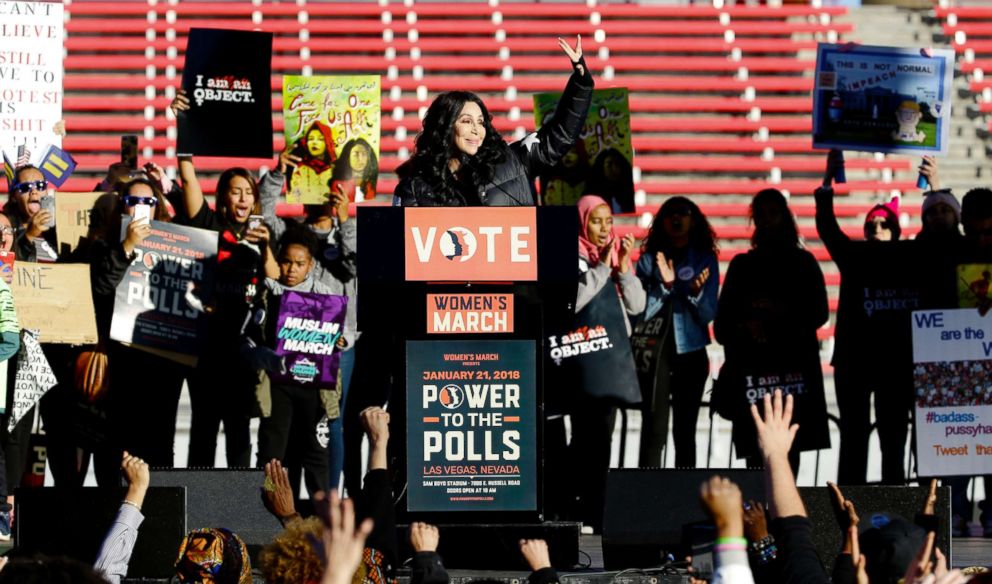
x,y
26,187
132,200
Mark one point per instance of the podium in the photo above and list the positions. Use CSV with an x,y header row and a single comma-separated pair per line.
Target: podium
x,y
457,303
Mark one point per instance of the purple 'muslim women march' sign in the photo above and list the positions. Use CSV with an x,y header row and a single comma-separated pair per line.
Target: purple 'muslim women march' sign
x,y
307,332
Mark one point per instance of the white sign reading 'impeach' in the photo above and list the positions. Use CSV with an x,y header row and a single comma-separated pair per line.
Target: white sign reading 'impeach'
x,y
951,335
31,40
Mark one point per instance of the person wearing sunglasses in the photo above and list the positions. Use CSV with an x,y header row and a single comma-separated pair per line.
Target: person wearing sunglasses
x,y
142,396
29,220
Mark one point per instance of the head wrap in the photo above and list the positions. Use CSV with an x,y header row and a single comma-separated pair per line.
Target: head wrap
x,y
213,556
942,196
587,248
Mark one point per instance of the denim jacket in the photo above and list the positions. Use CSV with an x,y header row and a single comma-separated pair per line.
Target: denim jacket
x,y
692,314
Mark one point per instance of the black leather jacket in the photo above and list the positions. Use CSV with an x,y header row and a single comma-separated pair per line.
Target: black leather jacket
x,y
512,184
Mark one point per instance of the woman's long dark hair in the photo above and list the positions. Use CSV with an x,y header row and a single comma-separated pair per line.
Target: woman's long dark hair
x,y
787,235
223,202
435,148
343,170
702,237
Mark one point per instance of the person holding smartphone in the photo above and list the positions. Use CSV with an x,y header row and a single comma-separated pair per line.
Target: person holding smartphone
x,y
222,385
31,209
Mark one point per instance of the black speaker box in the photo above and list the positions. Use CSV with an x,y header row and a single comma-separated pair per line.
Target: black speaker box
x,y
74,522
224,497
646,509
497,547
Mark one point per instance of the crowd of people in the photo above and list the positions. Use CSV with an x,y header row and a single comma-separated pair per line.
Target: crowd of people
x,y
115,402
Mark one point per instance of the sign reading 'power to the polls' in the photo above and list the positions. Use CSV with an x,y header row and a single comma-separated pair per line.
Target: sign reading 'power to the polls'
x,y
476,244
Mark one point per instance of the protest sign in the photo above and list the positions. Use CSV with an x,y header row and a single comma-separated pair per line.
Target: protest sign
x,y
471,426
31,46
332,124
601,162
151,308
307,332
952,352
227,77
469,313
56,300
74,215
34,377
483,244
882,99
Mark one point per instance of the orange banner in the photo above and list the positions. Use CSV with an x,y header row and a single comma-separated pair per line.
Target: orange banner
x,y
469,313
480,244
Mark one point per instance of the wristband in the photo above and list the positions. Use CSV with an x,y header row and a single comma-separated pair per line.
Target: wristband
x,y
736,540
132,503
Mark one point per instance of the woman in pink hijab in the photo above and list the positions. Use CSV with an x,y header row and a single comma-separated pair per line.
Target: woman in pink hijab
x,y
604,260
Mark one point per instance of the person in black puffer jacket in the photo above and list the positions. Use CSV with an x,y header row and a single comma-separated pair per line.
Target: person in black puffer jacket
x,y
460,160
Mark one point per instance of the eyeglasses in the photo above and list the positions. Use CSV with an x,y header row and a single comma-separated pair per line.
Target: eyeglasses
x,y
26,187
7,231
132,200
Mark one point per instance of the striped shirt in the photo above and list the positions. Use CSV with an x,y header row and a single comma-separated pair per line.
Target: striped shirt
x,y
115,553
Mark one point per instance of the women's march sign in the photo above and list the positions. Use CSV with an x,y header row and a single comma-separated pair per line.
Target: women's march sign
x,y
227,77
952,352
159,301
332,124
882,99
307,331
472,426
31,40
601,162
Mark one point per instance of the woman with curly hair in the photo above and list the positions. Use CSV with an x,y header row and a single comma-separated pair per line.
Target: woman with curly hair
x,y
680,273
316,152
357,172
460,160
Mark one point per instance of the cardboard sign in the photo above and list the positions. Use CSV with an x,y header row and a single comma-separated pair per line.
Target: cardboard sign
x,y
31,40
151,308
333,125
307,332
74,216
56,300
882,99
472,426
227,77
469,313
482,244
601,162
952,351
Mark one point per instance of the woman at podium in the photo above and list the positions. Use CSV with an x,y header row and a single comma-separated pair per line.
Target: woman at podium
x,y
460,160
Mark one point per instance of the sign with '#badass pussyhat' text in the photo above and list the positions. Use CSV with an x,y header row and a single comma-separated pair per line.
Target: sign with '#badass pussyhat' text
x,y
476,244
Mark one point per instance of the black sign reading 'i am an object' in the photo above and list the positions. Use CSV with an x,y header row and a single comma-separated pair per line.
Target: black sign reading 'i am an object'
x,y
227,78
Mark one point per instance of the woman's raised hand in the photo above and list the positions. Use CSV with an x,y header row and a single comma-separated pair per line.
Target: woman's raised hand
x,y
626,246
180,103
699,281
666,267
573,54
287,159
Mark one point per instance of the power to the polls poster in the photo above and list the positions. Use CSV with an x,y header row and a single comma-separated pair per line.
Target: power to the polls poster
x,y
472,425
952,375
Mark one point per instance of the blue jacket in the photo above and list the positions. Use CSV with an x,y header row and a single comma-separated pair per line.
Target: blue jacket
x,y
692,314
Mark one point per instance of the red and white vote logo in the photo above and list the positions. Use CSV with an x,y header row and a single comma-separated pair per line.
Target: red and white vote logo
x,y
484,244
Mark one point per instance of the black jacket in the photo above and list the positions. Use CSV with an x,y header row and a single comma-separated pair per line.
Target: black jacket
x,y
512,184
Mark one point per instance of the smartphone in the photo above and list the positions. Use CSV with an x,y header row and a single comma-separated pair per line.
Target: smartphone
x,y
129,151
48,204
143,212
255,221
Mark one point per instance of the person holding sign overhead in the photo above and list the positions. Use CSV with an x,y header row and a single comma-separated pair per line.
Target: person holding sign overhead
x,y
460,159
335,267
222,386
